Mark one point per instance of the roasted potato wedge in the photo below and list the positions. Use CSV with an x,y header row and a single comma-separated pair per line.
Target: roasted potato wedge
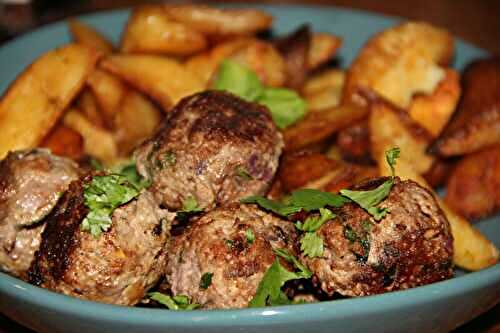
x,y
150,29
87,104
472,251
37,98
391,126
64,141
215,21
324,90
135,121
109,92
439,172
164,80
434,111
473,189
97,142
83,34
476,124
319,126
354,143
323,48
400,62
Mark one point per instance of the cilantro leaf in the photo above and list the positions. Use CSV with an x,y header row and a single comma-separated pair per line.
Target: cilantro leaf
x,y
129,170
176,303
243,173
303,271
250,236
102,196
285,105
271,205
369,199
238,80
391,156
206,280
190,205
312,245
313,223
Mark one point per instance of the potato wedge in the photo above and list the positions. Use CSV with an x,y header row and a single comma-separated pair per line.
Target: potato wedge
x,y
135,121
324,90
215,21
83,34
97,141
318,126
163,79
87,104
151,30
476,124
109,92
433,111
472,251
390,126
354,143
473,189
400,62
64,141
323,48
37,98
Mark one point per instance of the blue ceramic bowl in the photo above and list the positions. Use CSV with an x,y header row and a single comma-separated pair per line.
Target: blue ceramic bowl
x,y
439,307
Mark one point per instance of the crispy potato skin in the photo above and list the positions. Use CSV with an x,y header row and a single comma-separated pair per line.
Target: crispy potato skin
x,y
354,143
473,187
323,48
64,141
476,124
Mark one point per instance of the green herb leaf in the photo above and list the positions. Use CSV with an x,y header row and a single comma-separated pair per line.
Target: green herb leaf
x,y
206,280
313,223
271,205
350,234
238,80
102,196
190,205
303,271
391,156
96,164
369,199
312,245
169,159
129,170
250,236
243,173
176,303
285,105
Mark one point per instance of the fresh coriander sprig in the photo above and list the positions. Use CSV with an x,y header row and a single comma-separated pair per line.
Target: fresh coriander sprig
x,y
176,303
311,244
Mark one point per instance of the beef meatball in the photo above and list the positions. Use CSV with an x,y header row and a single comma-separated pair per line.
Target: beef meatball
x,y
118,266
31,182
213,147
233,245
411,246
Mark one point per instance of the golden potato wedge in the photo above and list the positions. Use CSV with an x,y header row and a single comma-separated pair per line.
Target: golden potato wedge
x,y
214,21
354,143
323,49
439,172
324,90
64,141
400,62
151,30
97,142
319,126
163,79
473,189
37,98
433,111
390,125
87,104
109,92
476,123
83,34
472,251
135,121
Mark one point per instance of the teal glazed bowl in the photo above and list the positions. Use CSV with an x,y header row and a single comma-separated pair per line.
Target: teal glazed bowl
x,y
439,307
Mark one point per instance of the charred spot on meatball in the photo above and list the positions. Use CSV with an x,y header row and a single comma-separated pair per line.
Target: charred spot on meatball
x,y
213,147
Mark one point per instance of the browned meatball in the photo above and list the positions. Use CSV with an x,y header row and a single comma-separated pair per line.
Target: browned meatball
x,y
218,244
30,185
117,267
411,246
213,147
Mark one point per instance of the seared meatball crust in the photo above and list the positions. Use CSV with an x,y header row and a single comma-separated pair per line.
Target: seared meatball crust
x,y
31,182
214,147
117,267
218,243
411,246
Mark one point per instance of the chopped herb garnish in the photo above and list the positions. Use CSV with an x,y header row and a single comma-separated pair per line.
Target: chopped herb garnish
x,y
250,236
238,80
350,234
229,243
169,159
243,173
269,289
313,223
311,245
391,156
366,225
102,196
286,106
206,280
190,205
96,164
176,303
129,170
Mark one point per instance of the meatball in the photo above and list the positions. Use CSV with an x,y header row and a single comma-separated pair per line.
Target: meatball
x,y
213,147
411,246
30,185
118,266
235,246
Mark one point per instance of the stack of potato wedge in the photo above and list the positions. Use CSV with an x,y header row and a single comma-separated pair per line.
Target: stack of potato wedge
x,y
94,99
